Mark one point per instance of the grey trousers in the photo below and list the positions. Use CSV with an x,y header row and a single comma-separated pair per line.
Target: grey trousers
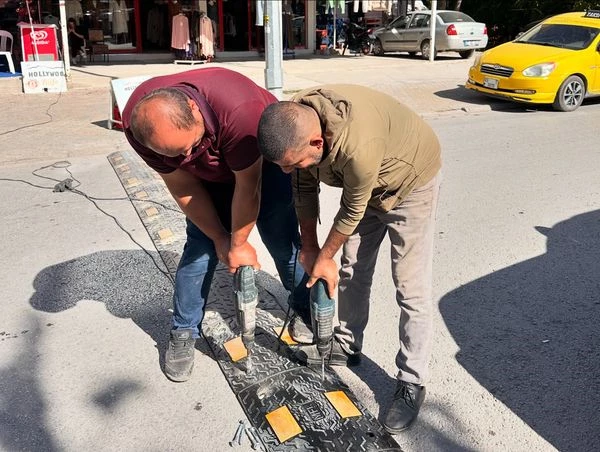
x,y
410,227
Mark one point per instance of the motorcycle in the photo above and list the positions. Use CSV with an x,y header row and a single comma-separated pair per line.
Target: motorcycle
x,y
358,39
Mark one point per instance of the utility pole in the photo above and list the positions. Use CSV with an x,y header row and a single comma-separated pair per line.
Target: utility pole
x,y
432,24
65,38
273,48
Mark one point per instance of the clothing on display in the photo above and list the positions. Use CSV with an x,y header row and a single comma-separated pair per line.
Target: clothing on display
x,y
119,17
341,4
289,42
51,20
155,27
206,37
73,10
259,14
180,32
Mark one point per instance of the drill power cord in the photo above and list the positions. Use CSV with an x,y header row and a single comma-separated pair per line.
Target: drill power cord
x,y
70,184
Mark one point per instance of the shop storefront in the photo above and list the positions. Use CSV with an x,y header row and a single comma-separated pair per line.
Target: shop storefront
x,y
130,26
203,28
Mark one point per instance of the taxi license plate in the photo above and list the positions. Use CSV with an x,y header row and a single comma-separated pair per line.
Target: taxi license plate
x,y
491,83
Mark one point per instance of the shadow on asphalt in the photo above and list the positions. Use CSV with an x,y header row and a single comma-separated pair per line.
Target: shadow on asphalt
x,y
529,334
23,410
126,281
405,56
462,94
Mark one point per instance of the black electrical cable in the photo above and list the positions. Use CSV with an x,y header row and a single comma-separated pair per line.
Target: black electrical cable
x,y
291,302
47,113
65,185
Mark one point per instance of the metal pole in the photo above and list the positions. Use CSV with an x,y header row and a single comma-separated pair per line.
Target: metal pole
x,y
65,38
273,48
334,26
432,29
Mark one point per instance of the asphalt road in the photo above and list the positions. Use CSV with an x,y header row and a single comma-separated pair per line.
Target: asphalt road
x,y
85,311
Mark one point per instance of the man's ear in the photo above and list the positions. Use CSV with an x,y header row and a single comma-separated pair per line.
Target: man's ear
x,y
193,105
316,141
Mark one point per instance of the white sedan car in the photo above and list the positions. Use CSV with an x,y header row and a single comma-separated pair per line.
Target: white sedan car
x,y
454,31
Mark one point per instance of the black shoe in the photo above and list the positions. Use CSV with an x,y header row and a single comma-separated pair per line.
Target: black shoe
x,y
179,358
309,354
300,331
405,407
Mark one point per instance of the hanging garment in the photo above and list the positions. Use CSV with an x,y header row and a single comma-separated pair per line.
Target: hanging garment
x,y
73,10
120,17
259,14
206,37
381,5
366,5
180,34
155,27
340,3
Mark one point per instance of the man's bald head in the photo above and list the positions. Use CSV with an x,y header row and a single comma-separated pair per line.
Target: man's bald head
x,y
156,107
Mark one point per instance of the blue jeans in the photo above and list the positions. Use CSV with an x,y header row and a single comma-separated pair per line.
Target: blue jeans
x,y
278,228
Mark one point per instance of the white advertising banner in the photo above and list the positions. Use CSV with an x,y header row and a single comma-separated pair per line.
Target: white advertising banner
x,y
43,77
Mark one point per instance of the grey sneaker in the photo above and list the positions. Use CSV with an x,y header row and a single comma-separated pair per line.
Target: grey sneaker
x,y
300,331
179,358
338,357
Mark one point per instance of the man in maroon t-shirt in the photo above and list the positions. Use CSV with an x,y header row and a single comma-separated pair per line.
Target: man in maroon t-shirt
x,y
198,130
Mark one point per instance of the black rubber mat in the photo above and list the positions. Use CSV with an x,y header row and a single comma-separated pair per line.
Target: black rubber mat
x,y
276,379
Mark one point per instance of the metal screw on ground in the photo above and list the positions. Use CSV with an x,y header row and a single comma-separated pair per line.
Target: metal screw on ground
x,y
241,434
237,437
251,433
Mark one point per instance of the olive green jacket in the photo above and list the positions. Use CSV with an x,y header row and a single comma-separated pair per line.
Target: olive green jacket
x,y
379,150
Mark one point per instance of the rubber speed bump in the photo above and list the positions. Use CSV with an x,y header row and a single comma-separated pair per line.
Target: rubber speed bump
x,y
283,423
286,338
342,404
236,349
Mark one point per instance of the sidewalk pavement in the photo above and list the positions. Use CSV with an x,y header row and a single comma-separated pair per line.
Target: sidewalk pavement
x,y
81,113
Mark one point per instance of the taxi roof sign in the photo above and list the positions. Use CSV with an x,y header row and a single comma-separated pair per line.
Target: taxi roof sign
x,y
593,13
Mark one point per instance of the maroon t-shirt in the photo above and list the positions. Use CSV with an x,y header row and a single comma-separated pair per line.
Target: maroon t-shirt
x,y
231,105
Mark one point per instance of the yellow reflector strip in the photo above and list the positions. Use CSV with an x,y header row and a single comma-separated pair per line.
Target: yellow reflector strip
x,y
283,424
285,337
236,349
342,404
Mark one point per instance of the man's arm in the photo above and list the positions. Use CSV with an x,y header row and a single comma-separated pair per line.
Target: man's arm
x,y
244,211
196,204
324,266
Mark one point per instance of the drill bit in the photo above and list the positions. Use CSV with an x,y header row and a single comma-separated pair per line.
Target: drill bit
x,y
322,368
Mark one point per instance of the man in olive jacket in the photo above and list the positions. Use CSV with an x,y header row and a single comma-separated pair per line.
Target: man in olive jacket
x,y
387,161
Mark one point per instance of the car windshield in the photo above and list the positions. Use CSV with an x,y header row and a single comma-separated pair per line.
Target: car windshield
x,y
574,37
454,16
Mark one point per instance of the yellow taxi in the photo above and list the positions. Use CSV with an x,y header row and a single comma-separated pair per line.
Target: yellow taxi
x,y
556,62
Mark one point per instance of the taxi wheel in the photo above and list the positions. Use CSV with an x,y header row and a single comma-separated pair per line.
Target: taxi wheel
x,y
570,94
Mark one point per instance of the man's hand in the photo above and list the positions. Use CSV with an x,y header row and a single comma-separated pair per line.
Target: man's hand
x,y
326,269
307,258
243,254
222,247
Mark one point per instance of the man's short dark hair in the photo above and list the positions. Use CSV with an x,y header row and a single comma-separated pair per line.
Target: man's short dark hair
x,y
279,130
176,108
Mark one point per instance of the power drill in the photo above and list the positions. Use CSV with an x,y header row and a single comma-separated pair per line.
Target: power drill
x,y
322,310
246,300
